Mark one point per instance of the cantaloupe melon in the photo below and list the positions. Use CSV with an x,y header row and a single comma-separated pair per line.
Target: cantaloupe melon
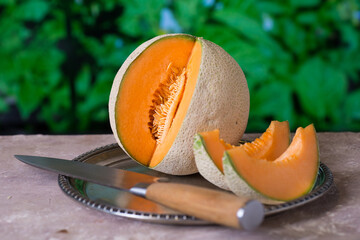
x,y
290,176
209,150
170,88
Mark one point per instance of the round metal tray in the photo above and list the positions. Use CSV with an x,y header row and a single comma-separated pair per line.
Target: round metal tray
x,y
124,204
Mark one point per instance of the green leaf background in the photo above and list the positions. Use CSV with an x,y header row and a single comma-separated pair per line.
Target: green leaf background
x,y
58,58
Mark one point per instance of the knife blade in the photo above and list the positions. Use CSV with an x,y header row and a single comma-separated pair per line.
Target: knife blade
x,y
212,205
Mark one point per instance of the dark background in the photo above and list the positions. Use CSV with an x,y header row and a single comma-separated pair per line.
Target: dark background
x,y
58,58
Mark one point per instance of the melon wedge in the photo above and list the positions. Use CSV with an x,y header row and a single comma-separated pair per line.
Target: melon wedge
x,y
209,150
292,175
170,88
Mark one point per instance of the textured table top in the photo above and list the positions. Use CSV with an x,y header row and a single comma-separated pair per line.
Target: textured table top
x,y
33,206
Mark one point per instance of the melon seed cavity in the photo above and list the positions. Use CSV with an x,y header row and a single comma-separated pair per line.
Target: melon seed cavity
x,y
166,100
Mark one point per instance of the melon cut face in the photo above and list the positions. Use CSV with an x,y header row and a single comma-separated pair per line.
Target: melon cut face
x,y
170,88
209,149
271,144
291,175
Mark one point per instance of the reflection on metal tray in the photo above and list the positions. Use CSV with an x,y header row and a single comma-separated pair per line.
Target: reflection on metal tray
x,y
124,204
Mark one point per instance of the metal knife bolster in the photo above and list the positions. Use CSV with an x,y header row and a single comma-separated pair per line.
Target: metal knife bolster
x,y
140,189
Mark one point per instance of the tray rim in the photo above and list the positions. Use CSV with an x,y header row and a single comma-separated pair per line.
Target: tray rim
x,y
183,219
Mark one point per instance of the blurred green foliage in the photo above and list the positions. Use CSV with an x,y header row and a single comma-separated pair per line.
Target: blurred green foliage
x,y
58,58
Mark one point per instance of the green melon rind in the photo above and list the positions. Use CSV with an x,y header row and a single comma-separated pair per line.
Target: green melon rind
x,y
239,186
205,164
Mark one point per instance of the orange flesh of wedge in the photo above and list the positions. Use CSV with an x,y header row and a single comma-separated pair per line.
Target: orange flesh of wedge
x,y
291,175
269,146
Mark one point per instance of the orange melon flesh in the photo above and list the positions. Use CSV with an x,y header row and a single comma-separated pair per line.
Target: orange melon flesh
x,y
192,69
269,146
176,58
291,175
215,147
272,143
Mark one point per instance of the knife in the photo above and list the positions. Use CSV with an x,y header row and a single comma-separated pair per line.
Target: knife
x,y
211,205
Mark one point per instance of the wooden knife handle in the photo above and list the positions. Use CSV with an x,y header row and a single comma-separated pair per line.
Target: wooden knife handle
x,y
214,206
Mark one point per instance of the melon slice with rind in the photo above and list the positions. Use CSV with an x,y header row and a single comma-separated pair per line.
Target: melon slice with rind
x,y
209,149
204,158
292,175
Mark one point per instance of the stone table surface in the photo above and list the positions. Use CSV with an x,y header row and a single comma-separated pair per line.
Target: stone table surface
x,y
33,206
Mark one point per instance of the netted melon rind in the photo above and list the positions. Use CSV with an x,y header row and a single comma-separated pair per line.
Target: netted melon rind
x,y
206,166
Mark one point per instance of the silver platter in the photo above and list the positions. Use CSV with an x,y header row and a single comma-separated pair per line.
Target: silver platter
x,y
124,204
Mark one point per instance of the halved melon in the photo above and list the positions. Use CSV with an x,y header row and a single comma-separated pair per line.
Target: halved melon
x,y
170,88
290,176
209,150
